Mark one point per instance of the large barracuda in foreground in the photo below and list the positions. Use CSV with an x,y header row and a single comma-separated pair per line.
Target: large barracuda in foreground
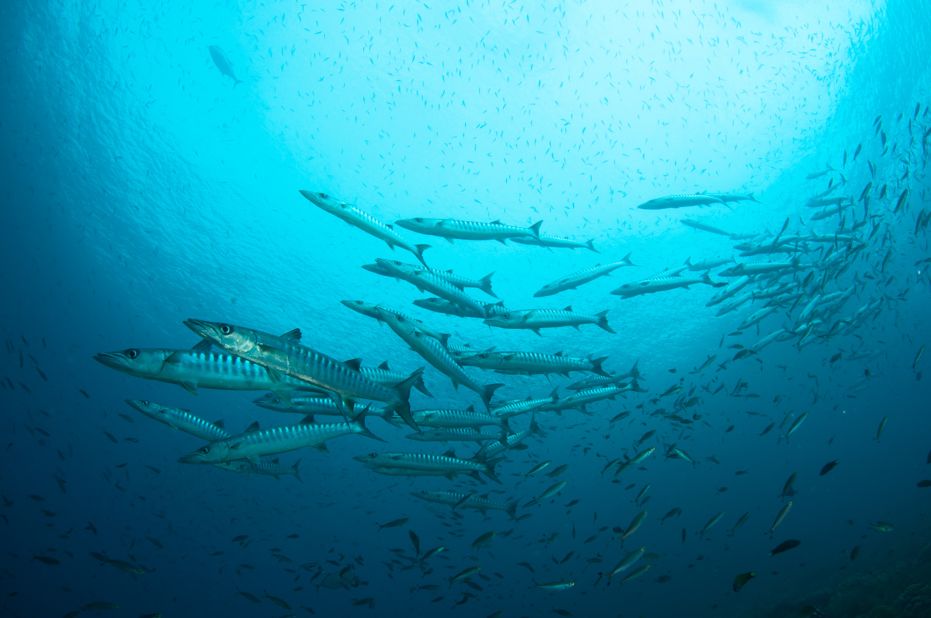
x,y
197,368
257,443
421,464
536,319
284,356
364,221
574,280
459,229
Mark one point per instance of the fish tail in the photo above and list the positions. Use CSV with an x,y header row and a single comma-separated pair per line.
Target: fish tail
x,y
488,392
490,470
512,509
358,426
296,470
486,285
603,321
420,249
419,385
596,366
626,260
635,370
403,406
590,245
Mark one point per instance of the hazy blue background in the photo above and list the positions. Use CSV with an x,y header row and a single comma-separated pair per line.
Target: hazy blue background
x,y
141,187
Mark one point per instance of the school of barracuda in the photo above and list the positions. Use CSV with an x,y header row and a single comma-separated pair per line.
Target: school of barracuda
x,y
801,285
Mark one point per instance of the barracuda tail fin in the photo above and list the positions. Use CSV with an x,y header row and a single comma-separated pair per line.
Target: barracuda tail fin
x,y
296,470
358,426
486,285
590,245
603,321
628,262
596,366
512,509
490,470
419,385
403,405
488,392
420,249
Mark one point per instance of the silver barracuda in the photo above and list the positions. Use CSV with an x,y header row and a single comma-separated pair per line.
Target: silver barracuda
x,y
196,368
554,242
605,380
453,434
257,443
455,418
435,353
483,284
441,305
426,281
680,201
459,500
458,229
364,221
536,319
574,280
262,467
661,283
180,419
532,363
284,356
377,311
422,464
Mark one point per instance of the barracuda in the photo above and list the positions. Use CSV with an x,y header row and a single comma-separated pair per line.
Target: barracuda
x,y
554,242
376,311
180,419
458,500
426,281
257,443
452,434
536,319
421,464
196,368
661,284
621,379
580,399
459,229
296,403
680,201
441,305
283,356
517,407
532,363
448,419
262,468
435,353
483,284
364,221
574,280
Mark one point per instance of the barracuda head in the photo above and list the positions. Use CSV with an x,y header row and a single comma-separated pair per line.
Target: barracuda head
x,y
235,339
396,266
212,452
134,361
323,201
362,307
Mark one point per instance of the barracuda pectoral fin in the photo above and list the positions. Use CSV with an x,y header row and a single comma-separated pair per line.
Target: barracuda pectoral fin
x,y
253,426
203,345
189,387
292,335
322,447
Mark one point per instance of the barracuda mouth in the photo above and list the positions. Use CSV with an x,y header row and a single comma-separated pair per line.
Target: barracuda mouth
x,y
202,328
116,360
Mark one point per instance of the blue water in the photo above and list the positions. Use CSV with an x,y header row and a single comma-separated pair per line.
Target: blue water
x,y
142,186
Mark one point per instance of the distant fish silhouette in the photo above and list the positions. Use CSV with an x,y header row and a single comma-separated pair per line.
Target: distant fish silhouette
x,y
223,63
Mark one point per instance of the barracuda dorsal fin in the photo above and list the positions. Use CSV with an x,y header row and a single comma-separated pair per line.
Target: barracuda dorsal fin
x,y
201,346
497,222
471,407
292,335
308,419
353,363
384,366
253,427
219,423
567,308
449,453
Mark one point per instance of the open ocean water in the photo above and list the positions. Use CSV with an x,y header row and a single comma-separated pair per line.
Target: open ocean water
x,y
744,432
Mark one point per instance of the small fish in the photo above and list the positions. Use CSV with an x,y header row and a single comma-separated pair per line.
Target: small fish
x,y
464,574
881,427
882,526
46,560
924,483
741,580
558,585
223,63
828,467
784,546
394,523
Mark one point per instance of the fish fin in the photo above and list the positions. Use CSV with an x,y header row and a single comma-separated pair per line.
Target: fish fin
x,y
488,391
603,321
322,447
420,249
444,338
485,285
471,408
358,425
535,229
292,335
384,366
296,470
275,375
353,363
537,331
596,365
307,420
253,426
627,261
567,308
490,470
189,387
511,509
403,406
203,345
590,245
219,423
449,453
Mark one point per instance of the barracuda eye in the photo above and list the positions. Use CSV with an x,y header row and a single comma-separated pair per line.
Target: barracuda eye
x,y
204,450
226,329
132,353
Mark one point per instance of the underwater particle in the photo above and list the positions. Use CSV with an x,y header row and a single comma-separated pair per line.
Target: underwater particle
x,y
785,546
741,580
